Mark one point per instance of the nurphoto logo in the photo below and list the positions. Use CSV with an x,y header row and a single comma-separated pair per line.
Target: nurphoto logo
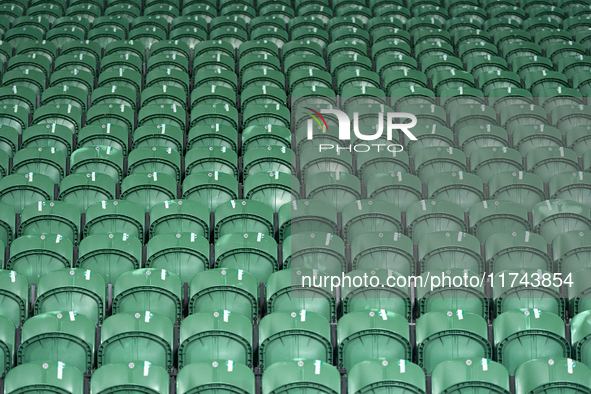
x,y
345,129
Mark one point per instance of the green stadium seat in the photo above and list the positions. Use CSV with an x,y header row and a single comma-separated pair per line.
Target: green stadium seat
x,y
252,252
287,291
223,115
435,251
126,61
125,337
493,216
184,254
15,297
428,216
137,375
573,186
9,139
211,189
524,334
364,335
446,295
323,252
117,216
224,289
471,138
20,190
48,161
551,373
224,374
516,289
301,216
388,251
488,162
34,256
284,336
148,289
72,289
386,375
148,189
473,374
400,188
165,136
553,217
336,188
444,336
215,335
301,375
68,336
51,217
159,160
365,216
109,255
434,160
184,216
505,251
570,251
272,188
463,189
41,375
240,216
110,135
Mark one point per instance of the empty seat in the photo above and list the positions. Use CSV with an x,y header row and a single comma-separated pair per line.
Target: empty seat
x,y
427,216
184,254
72,290
84,190
553,217
520,187
301,375
252,252
461,188
525,334
126,337
147,289
447,293
100,159
306,216
215,335
552,373
365,216
449,249
239,216
110,255
443,336
515,289
474,374
487,162
211,189
300,334
15,295
379,250
224,289
399,188
213,375
148,190
115,216
158,160
547,161
373,334
51,217
431,161
64,336
42,375
323,252
36,255
517,250
571,251
384,375
135,375
494,216
179,216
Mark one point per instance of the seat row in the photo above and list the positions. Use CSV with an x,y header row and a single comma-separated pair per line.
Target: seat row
x,y
450,376
519,336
